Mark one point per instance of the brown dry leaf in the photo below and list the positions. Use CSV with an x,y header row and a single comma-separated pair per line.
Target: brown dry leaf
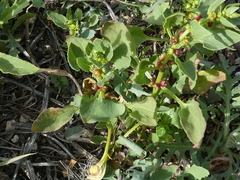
x,y
121,157
197,61
70,165
88,84
219,164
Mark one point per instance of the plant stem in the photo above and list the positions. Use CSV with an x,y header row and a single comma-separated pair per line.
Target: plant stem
x,y
227,113
132,129
60,72
105,156
179,101
159,76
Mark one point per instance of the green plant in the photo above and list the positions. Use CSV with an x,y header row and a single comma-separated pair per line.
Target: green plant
x,y
9,40
78,23
127,88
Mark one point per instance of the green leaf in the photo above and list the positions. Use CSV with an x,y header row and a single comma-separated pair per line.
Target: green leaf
x,y
140,76
153,137
77,52
231,8
120,58
187,68
165,175
73,133
226,36
192,121
76,102
144,111
206,78
98,139
227,23
109,75
199,47
173,20
86,32
102,45
94,110
197,171
214,38
214,5
53,119
20,20
139,36
11,12
133,146
155,14
69,15
205,37
78,15
138,90
16,66
198,31
15,159
92,20
77,41
58,19
82,62
13,45
37,3
73,57
118,35
204,6
120,83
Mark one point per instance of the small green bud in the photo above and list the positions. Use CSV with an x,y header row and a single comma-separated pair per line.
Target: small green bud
x,y
234,15
170,51
72,26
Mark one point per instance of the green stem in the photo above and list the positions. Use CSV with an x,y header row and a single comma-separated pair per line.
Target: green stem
x,y
227,115
186,32
132,129
160,76
105,156
179,101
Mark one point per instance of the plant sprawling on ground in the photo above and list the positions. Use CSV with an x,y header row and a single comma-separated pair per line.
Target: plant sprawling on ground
x,y
155,85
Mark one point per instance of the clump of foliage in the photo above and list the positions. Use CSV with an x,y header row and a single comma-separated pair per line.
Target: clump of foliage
x,y
143,93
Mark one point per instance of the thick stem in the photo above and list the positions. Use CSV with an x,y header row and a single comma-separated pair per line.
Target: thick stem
x,y
105,156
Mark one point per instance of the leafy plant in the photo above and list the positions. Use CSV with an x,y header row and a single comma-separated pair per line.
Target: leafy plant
x,y
129,89
78,24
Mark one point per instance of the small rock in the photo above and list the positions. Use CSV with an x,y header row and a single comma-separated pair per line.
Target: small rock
x,y
9,126
15,138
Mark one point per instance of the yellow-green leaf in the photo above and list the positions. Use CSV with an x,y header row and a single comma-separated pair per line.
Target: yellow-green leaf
x,y
16,66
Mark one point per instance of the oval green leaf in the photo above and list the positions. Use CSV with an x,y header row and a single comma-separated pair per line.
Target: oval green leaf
x,y
58,19
53,119
16,66
192,121
99,110
144,111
